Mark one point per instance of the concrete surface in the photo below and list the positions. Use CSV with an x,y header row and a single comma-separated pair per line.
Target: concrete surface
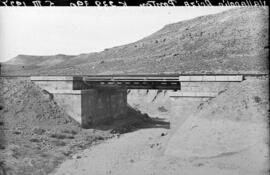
x,y
102,105
92,107
207,78
51,83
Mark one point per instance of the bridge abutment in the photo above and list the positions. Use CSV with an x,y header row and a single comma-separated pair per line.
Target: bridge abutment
x,y
89,107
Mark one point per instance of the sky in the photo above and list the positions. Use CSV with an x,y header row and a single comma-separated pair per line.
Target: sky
x,y
73,30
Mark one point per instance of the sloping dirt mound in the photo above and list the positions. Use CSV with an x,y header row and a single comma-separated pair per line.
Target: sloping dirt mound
x,y
24,101
36,134
231,129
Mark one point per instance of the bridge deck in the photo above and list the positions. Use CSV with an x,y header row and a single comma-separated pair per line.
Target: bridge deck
x,y
168,82
135,82
127,78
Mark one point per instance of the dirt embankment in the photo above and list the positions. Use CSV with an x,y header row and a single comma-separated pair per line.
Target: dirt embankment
x,y
229,132
37,135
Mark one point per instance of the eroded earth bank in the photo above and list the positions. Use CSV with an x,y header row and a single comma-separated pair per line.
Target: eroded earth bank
x,y
36,134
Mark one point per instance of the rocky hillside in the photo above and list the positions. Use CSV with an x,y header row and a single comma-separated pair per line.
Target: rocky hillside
x,y
229,42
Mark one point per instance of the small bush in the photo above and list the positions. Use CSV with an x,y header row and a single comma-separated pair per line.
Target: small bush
x,y
73,132
257,99
58,136
17,132
162,109
58,143
100,138
34,140
38,131
70,137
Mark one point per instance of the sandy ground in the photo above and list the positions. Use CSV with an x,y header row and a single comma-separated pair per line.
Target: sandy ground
x,y
140,153
227,136
120,155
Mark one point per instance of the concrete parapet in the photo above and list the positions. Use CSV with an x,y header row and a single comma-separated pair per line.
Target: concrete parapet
x,y
229,78
54,78
51,83
208,78
204,86
67,91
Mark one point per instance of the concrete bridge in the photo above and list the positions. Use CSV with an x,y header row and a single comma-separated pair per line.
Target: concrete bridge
x,y
91,100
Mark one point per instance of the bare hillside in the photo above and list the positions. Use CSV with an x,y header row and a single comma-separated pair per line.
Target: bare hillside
x,y
229,42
